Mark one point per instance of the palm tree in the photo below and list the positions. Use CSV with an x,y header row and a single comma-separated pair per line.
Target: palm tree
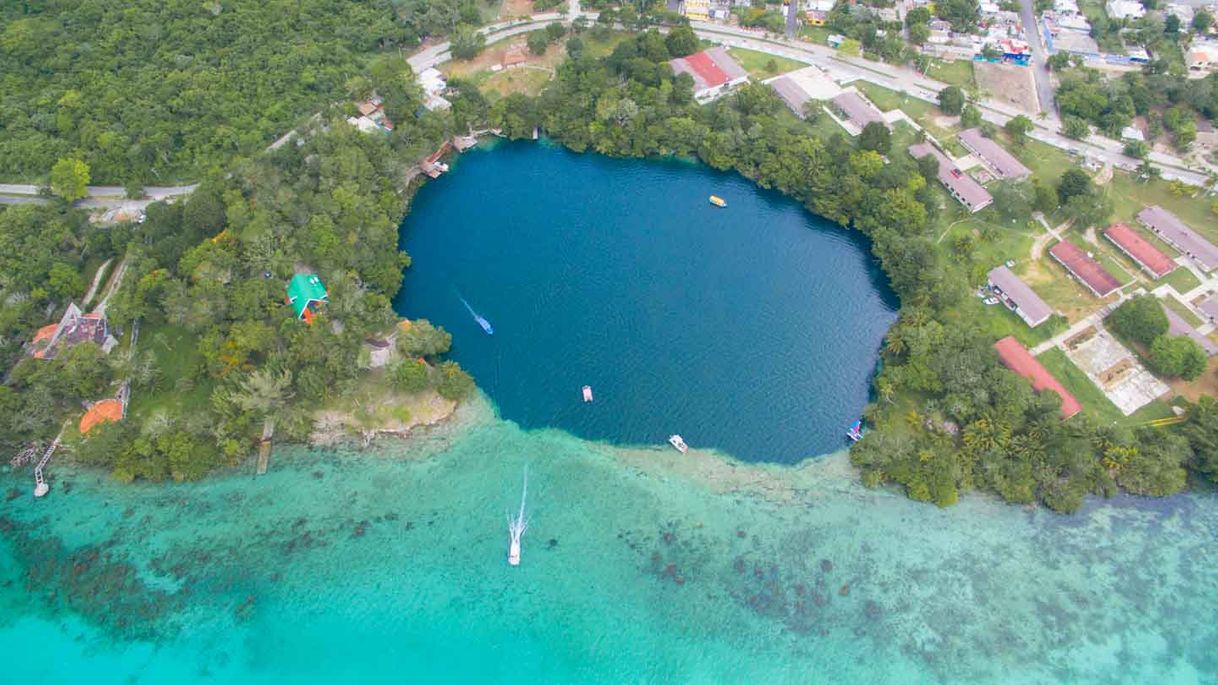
x,y
263,391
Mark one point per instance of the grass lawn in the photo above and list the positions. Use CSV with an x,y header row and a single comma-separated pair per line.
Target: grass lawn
x,y
520,80
957,72
920,111
815,34
176,356
1181,280
1095,403
761,65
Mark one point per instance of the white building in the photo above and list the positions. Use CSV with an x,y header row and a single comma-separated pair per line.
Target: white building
x,y
1125,9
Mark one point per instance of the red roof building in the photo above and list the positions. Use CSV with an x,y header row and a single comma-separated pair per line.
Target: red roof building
x,y
713,71
1016,358
1140,250
1085,269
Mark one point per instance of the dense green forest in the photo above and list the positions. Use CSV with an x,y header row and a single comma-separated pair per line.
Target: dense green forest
x,y
219,349
157,91
948,416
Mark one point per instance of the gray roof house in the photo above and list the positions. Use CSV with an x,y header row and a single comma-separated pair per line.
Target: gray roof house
x,y
1019,297
994,156
857,111
962,187
1209,307
1168,227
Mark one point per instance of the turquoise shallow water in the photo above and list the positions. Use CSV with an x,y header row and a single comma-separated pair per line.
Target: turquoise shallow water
x,y
752,329
640,566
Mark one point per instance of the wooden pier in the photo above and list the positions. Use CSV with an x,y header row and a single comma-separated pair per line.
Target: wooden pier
x,y
264,447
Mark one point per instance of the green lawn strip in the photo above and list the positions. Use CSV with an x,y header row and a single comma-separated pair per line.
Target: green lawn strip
x,y
919,110
176,356
1181,280
1095,403
758,63
1179,307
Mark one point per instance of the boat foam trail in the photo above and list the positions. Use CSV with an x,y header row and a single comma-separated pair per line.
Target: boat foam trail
x,y
486,325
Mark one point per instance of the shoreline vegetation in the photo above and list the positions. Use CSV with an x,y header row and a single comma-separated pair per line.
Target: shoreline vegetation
x,y
219,352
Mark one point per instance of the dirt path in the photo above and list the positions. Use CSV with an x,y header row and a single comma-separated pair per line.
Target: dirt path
x,y
101,270
116,279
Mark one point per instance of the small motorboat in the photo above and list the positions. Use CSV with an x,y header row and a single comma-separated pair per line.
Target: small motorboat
x,y
587,393
856,431
679,443
718,201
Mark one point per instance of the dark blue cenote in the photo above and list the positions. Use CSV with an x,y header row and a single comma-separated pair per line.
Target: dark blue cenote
x,y
753,329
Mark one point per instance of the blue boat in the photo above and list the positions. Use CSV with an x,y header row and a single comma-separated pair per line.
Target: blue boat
x,y
856,431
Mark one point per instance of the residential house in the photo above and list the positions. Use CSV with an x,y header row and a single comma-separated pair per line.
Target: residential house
x,y
1019,297
305,293
372,116
1202,58
967,191
74,328
1177,234
1176,325
697,10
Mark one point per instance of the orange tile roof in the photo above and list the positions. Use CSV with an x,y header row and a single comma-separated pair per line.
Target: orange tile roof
x,y
101,412
1017,358
45,332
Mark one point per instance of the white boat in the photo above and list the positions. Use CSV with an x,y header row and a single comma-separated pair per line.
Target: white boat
x,y
517,526
587,393
679,443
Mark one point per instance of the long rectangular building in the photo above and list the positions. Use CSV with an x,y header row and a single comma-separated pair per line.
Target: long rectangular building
x,y
1177,234
1016,358
1019,297
1176,325
857,110
961,186
1150,258
1085,269
994,156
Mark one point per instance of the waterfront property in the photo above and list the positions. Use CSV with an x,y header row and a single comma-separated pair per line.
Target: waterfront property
x,y
1177,234
74,328
1001,163
1150,258
305,293
967,191
1085,269
1019,297
1017,358
714,72
856,112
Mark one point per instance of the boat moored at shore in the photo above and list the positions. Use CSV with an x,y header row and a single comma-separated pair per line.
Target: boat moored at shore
x,y
678,442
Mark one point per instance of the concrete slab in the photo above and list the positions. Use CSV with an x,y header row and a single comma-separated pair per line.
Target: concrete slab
x,y
1114,370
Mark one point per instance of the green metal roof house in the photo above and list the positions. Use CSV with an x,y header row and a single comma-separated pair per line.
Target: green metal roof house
x,y
304,291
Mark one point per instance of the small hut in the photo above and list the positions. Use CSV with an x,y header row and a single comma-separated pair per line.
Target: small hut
x,y
305,292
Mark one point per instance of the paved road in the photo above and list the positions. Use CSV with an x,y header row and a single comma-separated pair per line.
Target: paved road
x,y
99,196
1040,58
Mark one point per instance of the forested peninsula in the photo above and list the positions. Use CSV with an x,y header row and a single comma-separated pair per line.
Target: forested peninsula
x,y
219,350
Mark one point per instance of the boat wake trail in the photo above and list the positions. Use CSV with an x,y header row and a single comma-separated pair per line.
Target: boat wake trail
x,y
486,325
